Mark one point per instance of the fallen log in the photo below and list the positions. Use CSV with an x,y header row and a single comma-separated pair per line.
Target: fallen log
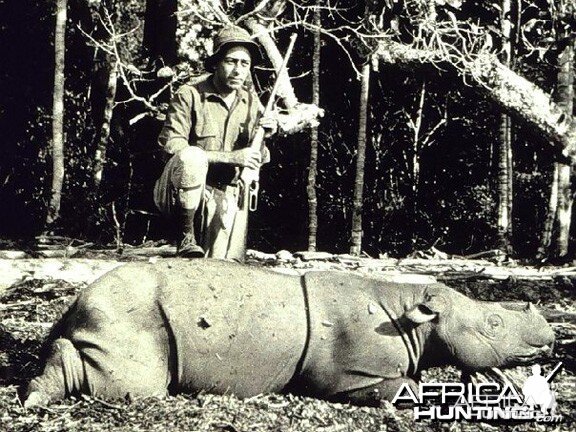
x,y
557,316
521,98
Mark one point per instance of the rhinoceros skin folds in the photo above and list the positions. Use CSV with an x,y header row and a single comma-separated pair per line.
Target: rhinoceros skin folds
x,y
183,326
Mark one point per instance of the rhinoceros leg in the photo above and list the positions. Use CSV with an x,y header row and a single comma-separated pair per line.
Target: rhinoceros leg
x,y
63,374
103,361
375,394
120,360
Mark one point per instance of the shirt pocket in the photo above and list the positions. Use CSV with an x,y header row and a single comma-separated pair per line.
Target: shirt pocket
x,y
206,134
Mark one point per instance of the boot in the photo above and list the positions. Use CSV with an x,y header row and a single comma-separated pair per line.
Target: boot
x,y
187,246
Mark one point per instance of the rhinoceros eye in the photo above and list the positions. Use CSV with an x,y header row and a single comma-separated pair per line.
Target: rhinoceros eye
x,y
494,324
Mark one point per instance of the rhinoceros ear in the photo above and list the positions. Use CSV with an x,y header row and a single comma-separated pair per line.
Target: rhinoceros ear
x,y
427,310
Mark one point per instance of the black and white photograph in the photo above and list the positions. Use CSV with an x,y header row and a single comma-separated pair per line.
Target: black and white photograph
x,y
281,215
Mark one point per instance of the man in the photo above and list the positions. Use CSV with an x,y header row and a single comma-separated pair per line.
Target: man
x,y
207,132
536,391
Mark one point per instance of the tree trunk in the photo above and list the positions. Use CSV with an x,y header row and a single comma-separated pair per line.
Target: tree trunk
x,y
519,97
417,144
416,147
505,150
546,239
100,156
285,89
505,184
560,204
564,212
565,98
313,167
356,246
58,114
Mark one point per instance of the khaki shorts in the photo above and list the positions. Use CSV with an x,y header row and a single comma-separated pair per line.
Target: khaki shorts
x,y
223,225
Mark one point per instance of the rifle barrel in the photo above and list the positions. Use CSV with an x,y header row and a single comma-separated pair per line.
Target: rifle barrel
x,y
249,177
551,375
280,70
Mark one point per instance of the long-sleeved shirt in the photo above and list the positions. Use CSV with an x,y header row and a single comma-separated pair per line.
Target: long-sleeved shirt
x,y
198,116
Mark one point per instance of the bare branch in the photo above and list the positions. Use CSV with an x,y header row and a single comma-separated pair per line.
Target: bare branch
x,y
254,11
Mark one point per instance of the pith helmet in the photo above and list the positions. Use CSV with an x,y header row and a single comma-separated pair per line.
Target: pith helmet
x,y
229,37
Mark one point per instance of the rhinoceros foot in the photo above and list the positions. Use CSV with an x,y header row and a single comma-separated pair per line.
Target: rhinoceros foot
x,y
35,399
63,374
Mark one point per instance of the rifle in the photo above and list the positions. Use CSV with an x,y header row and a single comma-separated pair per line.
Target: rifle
x,y
249,177
555,371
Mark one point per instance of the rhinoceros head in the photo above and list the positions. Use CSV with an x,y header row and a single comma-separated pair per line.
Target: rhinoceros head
x,y
480,335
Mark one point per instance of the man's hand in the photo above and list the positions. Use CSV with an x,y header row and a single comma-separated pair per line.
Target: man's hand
x,y
269,124
247,157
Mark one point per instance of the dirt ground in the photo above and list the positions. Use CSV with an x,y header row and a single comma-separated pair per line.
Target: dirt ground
x,y
31,299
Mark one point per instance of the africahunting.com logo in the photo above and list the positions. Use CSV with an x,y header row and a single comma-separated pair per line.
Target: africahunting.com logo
x,y
485,401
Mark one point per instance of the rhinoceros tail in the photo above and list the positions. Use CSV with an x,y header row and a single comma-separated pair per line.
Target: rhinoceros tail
x,y
63,375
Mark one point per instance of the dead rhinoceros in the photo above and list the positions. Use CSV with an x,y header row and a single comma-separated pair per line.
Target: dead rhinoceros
x,y
183,326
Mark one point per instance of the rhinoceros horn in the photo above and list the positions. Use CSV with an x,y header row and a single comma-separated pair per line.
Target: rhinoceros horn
x,y
519,306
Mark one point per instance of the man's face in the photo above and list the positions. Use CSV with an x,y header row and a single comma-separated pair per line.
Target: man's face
x,y
233,69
